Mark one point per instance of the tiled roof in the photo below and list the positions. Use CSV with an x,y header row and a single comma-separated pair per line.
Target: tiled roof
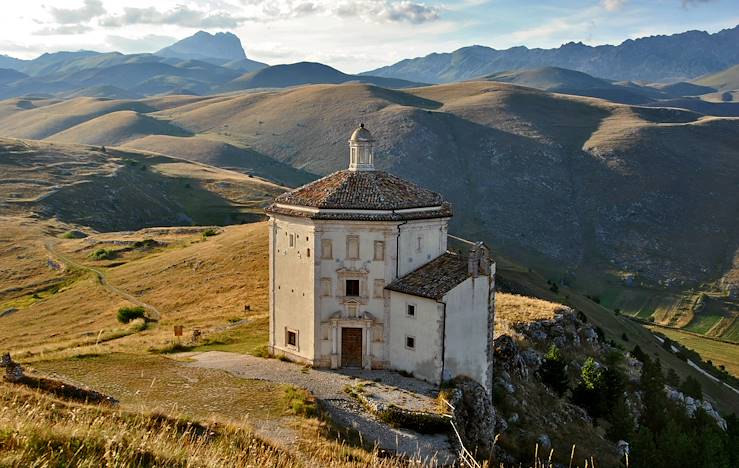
x,y
444,211
361,190
435,278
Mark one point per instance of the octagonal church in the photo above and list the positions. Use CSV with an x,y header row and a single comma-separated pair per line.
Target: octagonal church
x,y
360,276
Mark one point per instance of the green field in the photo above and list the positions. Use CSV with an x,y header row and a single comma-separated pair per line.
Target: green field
x,y
719,352
702,323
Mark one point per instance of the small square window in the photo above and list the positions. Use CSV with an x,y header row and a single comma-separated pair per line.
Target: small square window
x,y
352,287
292,338
410,310
410,342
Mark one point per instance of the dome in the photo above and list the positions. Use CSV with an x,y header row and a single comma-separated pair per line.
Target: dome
x,y
361,134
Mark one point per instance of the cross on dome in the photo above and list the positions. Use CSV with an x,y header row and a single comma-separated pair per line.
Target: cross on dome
x,y
360,150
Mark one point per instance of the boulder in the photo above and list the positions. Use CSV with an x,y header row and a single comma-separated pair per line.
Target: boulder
x,y
474,416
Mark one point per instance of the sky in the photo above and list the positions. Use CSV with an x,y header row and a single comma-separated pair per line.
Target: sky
x,y
351,35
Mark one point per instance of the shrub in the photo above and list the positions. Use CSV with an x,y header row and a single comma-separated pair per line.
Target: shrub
x,y
210,232
103,254
554,371
73,235
127,314
261,351
300,402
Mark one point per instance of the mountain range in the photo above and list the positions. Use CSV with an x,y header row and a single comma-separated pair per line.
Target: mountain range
x,y
200,64
677,57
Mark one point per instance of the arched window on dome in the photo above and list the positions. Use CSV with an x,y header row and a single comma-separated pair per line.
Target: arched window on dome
x,y
354,156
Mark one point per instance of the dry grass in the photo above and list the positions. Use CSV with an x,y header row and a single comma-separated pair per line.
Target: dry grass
x,y
40,431
513,308
193,282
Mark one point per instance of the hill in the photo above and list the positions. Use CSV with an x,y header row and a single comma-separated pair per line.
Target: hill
x,y
677,57
607,180
725,80
122,189
561,80
296,74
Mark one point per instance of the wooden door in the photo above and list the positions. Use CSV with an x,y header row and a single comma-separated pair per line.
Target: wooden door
x,y
351,347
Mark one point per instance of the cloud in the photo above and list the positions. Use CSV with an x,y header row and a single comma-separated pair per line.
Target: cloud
x,y
63,30
687,3
613,5
389,11
91,9
368,10
180,16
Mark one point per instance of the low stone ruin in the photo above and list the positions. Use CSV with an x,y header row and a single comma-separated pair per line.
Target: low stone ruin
x,y
13,370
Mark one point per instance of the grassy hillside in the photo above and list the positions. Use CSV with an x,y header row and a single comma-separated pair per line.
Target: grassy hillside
x,y
726,80
109,189
596,194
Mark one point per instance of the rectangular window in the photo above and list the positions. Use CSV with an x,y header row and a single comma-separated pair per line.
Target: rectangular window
x,y
379,289
410,342
352,287
410,310
379,250
326,287
292,240
292,338
352,247
326,252
419,243
308,252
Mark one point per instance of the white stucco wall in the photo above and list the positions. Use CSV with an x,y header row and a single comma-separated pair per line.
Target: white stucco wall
x,y
292,285
466,330
433,235
425,360
299,302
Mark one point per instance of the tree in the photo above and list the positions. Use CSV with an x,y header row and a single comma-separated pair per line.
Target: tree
x,y
621,421
652,383
590,391
692,387
644,450
553,371
673,380
638,354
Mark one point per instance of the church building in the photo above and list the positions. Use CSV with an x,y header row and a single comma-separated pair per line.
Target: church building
x,y
360,276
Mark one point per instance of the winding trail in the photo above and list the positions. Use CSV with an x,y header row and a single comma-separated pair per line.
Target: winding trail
x,y
49,245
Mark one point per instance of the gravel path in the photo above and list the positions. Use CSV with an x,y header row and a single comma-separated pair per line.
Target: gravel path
x,y
328,386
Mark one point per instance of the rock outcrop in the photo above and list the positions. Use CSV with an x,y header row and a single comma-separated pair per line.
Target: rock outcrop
x,y
474,416
13,370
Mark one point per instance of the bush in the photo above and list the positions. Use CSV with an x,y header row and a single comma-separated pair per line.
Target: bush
x,y
103,254
127,314
73,235
210,232
554,371
300,402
